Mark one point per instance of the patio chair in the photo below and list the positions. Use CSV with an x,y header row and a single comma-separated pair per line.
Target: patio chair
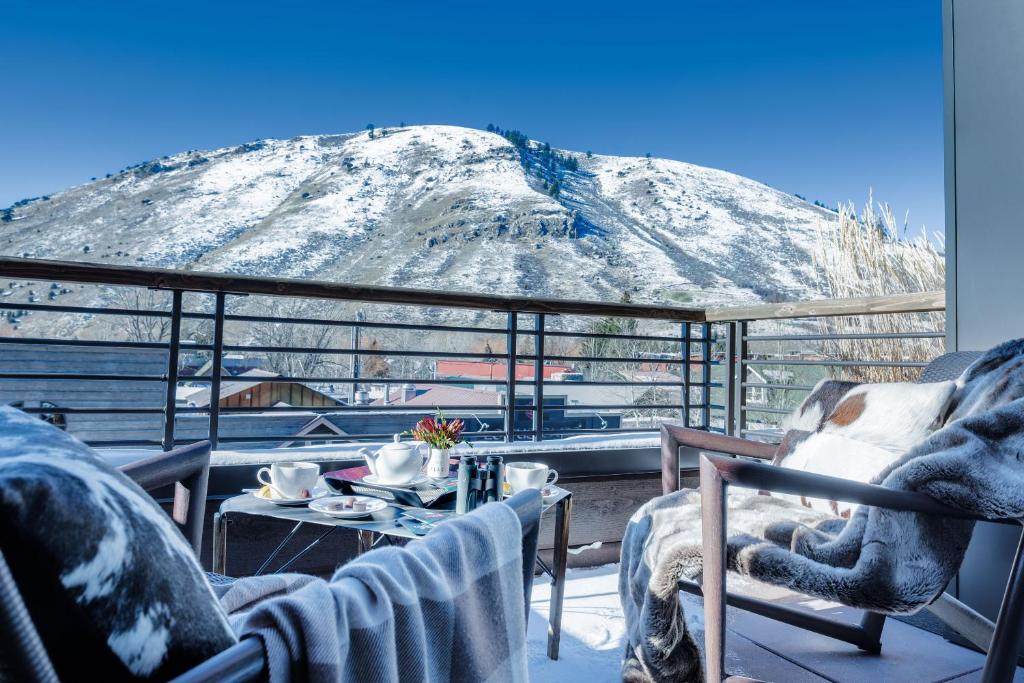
x,y
187,469
724,460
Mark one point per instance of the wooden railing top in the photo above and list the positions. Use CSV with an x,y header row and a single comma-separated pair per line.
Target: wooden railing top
x,y
161,278
92,273
922,302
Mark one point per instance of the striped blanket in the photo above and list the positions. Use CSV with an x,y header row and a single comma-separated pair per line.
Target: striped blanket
x,y
448,607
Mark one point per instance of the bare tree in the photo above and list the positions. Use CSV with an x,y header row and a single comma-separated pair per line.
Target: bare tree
x,y
143,328
305,363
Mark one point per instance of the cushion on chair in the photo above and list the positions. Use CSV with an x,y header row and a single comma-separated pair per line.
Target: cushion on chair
x,y
818,405
832,455
112,585
893,416
855,431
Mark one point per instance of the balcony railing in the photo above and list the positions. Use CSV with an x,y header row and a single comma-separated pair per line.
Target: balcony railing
x,y
623,368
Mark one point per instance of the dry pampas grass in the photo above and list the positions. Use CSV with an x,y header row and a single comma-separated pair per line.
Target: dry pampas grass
x,y
864,256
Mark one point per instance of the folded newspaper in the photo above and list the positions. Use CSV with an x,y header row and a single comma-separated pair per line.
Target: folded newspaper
x,y
427,493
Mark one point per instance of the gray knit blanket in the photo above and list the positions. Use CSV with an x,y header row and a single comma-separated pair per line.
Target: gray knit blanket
x,y
449,607
880,560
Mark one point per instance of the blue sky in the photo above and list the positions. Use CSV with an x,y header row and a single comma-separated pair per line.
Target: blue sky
x,y
822,98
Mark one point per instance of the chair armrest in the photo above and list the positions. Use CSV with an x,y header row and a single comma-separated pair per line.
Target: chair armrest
x,y
188,469
720,443
246,660
675,436
754,475
166,468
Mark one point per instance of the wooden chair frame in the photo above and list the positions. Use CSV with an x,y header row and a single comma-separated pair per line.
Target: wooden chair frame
x,y
682,447
688,449
187,469
718,472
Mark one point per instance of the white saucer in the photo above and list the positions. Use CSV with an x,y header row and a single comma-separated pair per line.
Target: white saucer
x,y
418,479
293,502
332,506
547,494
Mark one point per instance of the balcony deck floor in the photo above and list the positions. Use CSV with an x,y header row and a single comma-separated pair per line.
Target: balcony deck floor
x,y
593,641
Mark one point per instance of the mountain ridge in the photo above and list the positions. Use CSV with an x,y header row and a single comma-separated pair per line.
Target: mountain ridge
x,y
438,207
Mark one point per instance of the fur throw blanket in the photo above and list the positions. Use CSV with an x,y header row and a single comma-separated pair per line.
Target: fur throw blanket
x,y
880,560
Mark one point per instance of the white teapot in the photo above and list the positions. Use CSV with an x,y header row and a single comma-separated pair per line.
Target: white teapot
x,y
396,463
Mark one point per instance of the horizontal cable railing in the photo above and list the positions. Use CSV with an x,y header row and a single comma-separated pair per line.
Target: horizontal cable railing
x,y
887,338
553,369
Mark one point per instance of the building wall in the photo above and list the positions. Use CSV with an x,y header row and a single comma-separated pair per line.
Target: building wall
x,y
72,393
984,122
266,394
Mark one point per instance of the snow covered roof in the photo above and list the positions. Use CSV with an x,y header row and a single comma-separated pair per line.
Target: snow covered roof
x,y
476,369
440,396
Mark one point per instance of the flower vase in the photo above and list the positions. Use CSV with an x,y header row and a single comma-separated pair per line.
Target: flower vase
x,y
437,463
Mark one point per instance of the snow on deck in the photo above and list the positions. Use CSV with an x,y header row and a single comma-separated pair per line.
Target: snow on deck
x,y
593,640
592,629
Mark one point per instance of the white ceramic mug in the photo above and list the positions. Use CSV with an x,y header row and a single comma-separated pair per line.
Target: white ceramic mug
x,y
289,478
528,475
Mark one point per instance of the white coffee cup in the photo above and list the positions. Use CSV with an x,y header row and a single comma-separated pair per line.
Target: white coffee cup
x,y
528,475
289,478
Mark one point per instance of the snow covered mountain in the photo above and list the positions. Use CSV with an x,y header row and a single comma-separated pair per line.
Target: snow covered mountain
x,y
436,207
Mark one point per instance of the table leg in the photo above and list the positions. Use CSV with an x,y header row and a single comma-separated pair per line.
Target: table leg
x,y
220,544
278,549
563,515
305,550
365,542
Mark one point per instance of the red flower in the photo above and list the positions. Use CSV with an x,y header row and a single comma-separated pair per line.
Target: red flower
x,y
438,432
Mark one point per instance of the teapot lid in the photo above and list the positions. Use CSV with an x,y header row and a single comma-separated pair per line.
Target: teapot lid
x,y
396,444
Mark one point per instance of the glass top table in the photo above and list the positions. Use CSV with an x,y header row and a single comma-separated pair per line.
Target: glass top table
x,y
384,527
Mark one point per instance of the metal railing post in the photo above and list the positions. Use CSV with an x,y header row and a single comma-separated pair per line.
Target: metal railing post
x,y
705,359
684,368
357,364
740,390
731,349
216,369
538,378
173,346
510,378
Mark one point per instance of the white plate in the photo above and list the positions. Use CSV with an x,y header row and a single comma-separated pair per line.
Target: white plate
x,y
547,494
418,479
292,502
332,506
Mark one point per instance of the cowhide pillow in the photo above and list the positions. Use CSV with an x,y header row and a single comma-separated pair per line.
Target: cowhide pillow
x,y
110,582
892,416
832,455
818,405
854,431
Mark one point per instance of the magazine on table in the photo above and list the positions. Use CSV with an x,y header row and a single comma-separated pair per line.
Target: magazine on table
x,y
436,494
